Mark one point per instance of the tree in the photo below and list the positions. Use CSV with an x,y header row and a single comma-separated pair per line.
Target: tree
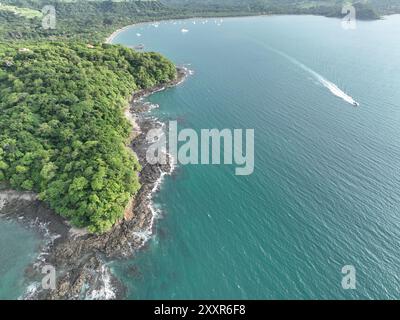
x,y
63,132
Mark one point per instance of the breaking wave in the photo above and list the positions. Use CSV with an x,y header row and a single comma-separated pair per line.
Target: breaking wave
x,y
106,291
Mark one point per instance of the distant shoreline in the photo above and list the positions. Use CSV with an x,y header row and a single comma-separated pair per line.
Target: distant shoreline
x,y
113,35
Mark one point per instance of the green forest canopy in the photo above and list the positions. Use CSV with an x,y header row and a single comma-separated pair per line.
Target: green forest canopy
x,y
63,133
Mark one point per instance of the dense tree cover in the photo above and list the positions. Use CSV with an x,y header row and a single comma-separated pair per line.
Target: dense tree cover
x,y
63,133
330,8
81,20
93,20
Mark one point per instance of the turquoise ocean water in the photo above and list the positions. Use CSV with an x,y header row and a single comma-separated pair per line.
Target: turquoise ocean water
x,y
325,192
326,187
18,248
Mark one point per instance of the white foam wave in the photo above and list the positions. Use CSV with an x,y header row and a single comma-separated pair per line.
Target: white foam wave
x,y
40,261
30,291
106,291
147,233
188,71
153,106
49,239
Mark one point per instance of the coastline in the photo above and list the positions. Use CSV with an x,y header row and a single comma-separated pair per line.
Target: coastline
x,y
81,259
113,35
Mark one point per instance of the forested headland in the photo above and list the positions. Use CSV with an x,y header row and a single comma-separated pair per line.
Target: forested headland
x,y
63,133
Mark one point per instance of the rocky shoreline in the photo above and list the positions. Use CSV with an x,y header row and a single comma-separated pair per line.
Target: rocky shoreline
x,y
80,259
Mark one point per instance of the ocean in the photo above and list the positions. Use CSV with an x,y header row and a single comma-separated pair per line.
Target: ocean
x,y
19,247
325,191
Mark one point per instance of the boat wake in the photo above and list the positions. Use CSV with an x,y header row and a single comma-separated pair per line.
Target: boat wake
x,y
337,91
333,88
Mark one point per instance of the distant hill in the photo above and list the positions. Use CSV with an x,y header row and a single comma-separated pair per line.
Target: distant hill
x,y
368,9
